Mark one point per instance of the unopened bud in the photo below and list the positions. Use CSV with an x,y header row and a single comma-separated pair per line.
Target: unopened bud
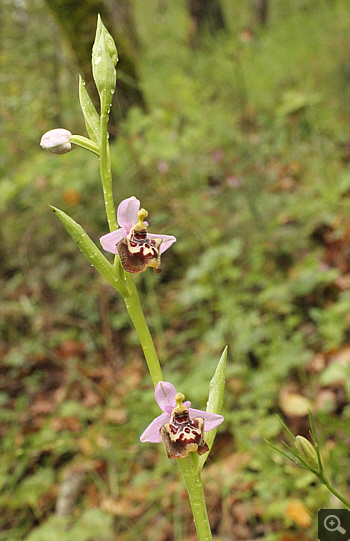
x,y
104,60
57,141
307,451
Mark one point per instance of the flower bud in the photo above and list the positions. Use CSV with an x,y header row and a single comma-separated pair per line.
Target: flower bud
x,y
104,60
57,141
307,451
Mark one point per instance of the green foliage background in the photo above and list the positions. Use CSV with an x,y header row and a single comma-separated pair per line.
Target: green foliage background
x,y
243,154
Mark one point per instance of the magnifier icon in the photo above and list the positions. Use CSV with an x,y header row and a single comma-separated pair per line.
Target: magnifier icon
x,y
332,524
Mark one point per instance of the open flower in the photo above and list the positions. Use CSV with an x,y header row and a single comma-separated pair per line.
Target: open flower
x,y
166,394
57,141
137,248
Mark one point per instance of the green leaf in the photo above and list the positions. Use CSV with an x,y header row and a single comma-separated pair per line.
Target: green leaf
x,y
92,120
214,404
92,253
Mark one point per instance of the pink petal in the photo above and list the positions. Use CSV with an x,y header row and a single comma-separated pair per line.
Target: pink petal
x,y
127,213
110,241
211,420
151,433
167,240
165,395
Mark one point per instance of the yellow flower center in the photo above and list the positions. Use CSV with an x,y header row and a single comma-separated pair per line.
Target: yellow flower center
x,y
179,397
141,215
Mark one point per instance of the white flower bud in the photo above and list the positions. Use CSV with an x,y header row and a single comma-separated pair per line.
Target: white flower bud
x,y
57,141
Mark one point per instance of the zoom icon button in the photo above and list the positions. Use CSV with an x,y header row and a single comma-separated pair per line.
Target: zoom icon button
x,y
333,525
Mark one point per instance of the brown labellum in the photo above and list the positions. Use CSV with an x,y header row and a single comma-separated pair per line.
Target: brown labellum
x,y
183,435
137,252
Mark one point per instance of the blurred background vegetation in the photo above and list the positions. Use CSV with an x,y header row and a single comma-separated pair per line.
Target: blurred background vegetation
x,y
231,125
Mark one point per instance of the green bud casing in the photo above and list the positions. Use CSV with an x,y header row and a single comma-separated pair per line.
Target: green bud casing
x,y
307,452
104,59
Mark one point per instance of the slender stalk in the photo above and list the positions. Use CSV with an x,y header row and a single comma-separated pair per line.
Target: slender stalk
x,y
156,315
133,306
85,143
325,481
106,175
195,491
132,299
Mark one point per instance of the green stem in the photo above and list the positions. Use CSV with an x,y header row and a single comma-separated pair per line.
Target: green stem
x,y
132,299
85,143
195,491
106,175
325,481
133,306
156,315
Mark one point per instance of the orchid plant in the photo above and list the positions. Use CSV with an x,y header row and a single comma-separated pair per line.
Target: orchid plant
x,y
188,434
